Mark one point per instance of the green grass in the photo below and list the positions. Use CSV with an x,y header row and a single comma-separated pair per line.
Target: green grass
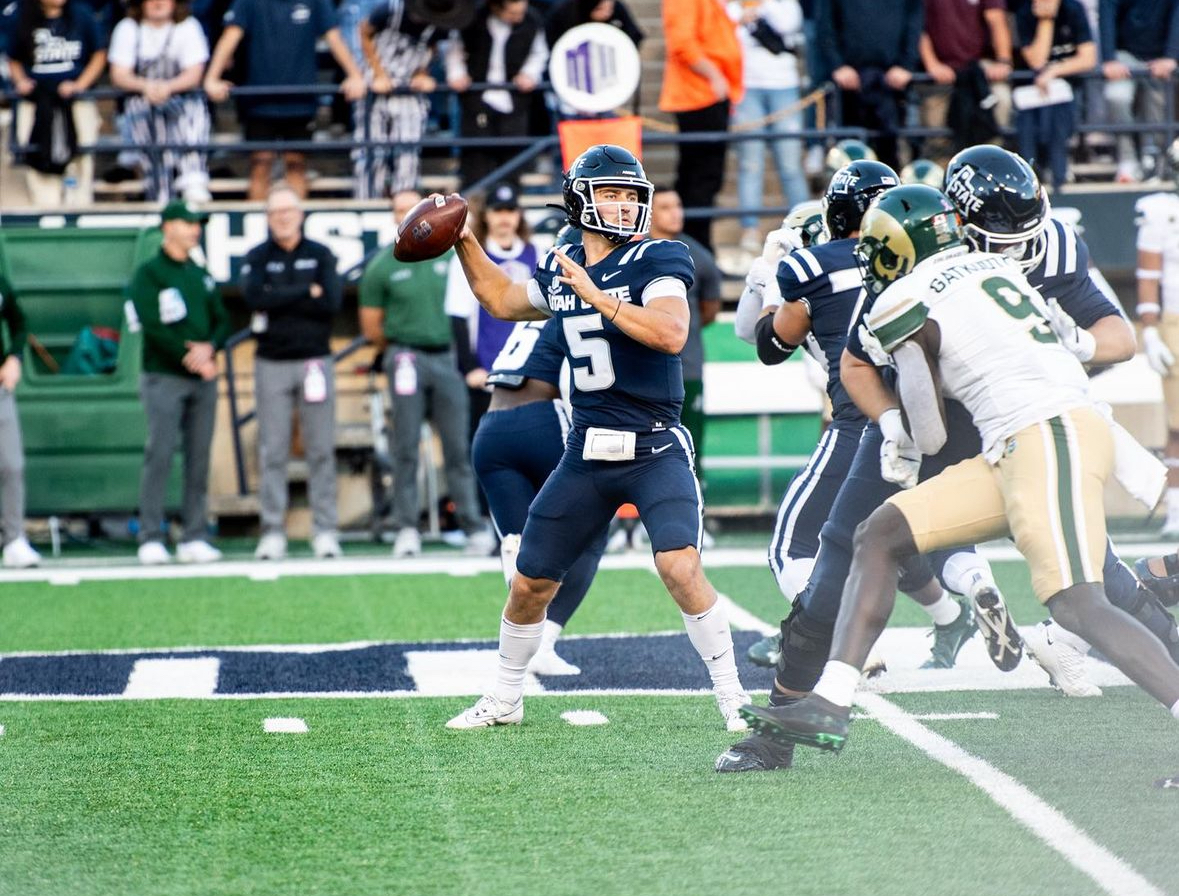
x,y
192,797
215,612
180,798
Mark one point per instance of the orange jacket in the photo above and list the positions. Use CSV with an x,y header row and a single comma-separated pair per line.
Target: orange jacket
x,y
695,30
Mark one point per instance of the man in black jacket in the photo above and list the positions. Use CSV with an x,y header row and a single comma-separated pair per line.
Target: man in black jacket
x,y
871,51
505,44
293,288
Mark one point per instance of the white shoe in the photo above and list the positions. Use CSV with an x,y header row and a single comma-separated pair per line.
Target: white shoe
x,y
618,541
509,548
19,554
197,552
271,546
480,543
153,553
325,545
729,705
408,543
548,662
638,538
1064,664
487,712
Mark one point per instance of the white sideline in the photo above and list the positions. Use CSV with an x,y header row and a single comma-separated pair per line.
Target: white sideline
x,y
1110,873
124,569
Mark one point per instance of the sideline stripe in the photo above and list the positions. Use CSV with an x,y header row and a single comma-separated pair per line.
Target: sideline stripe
x,y
1109,872
126,570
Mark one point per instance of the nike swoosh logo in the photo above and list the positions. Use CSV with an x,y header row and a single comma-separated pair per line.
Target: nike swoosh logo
x,y
606,277
660,450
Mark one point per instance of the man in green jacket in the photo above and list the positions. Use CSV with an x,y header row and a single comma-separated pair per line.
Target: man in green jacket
x,y
18,553
178,306
402,313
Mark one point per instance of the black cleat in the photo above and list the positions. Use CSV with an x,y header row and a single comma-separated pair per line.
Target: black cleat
x,y
812,722
1004,645
1164,587
755,754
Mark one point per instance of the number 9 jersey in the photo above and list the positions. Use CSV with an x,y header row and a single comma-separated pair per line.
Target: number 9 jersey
x,y
617,381
998,356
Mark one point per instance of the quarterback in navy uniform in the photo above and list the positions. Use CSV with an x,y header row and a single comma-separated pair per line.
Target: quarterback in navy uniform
x,y
623,314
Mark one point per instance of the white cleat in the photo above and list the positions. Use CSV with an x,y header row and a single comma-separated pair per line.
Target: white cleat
x,y
547,662
197,552
408,543
1064,664
489,711
480,543
271,546
19,554
153,553
326,546
730,704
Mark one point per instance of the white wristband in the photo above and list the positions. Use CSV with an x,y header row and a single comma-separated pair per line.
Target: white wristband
x,y
1149,308
1148,274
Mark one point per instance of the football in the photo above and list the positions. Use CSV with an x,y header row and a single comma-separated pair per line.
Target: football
x,y
431,227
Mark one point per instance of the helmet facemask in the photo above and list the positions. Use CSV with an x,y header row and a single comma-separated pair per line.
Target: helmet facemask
x,y
1026,249
591,216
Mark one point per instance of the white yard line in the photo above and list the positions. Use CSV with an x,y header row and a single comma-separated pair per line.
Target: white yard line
x,y
1108,871
66,573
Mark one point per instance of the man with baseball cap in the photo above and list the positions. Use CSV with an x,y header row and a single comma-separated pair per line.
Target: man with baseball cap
x,y
176,303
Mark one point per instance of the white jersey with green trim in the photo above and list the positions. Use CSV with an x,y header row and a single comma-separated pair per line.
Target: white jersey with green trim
x,y
998,355
1158,231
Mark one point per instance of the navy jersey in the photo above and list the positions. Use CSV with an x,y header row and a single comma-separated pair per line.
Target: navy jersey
x,y
827,279
533,351
617,381
1063,274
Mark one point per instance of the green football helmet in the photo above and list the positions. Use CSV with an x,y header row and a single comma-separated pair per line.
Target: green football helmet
x,y
923,171
901,229
806,219
845,152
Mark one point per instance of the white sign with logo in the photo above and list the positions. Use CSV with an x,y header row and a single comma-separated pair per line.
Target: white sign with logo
x,y
594,68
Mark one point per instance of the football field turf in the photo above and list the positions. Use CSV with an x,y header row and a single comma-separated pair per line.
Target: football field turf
x,y
947,786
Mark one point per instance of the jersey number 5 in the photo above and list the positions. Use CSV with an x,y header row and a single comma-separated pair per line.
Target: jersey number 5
x,y
1019,306
599,373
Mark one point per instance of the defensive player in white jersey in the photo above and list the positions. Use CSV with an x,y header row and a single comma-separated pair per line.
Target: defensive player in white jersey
x,y
970,326
1158,310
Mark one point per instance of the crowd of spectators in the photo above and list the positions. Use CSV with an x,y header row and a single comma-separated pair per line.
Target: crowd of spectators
x,y
892,64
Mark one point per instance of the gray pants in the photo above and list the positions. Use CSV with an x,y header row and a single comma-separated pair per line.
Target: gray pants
x,y
1120,97
441,395
12,470
179,411
278,387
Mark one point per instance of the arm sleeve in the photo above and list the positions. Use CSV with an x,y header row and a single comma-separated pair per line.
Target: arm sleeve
x,y
1076,291
325,17
194,46
895,321
221,328
1107,30
828,38
918,392
239,15
122,47
370,293
144,295
679,31
327,305
1083,34
1171,50
914,24
538,55
708,276
15,318
467,360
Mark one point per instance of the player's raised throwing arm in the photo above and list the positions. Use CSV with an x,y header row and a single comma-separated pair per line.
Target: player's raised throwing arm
x,y
492,287
660,323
